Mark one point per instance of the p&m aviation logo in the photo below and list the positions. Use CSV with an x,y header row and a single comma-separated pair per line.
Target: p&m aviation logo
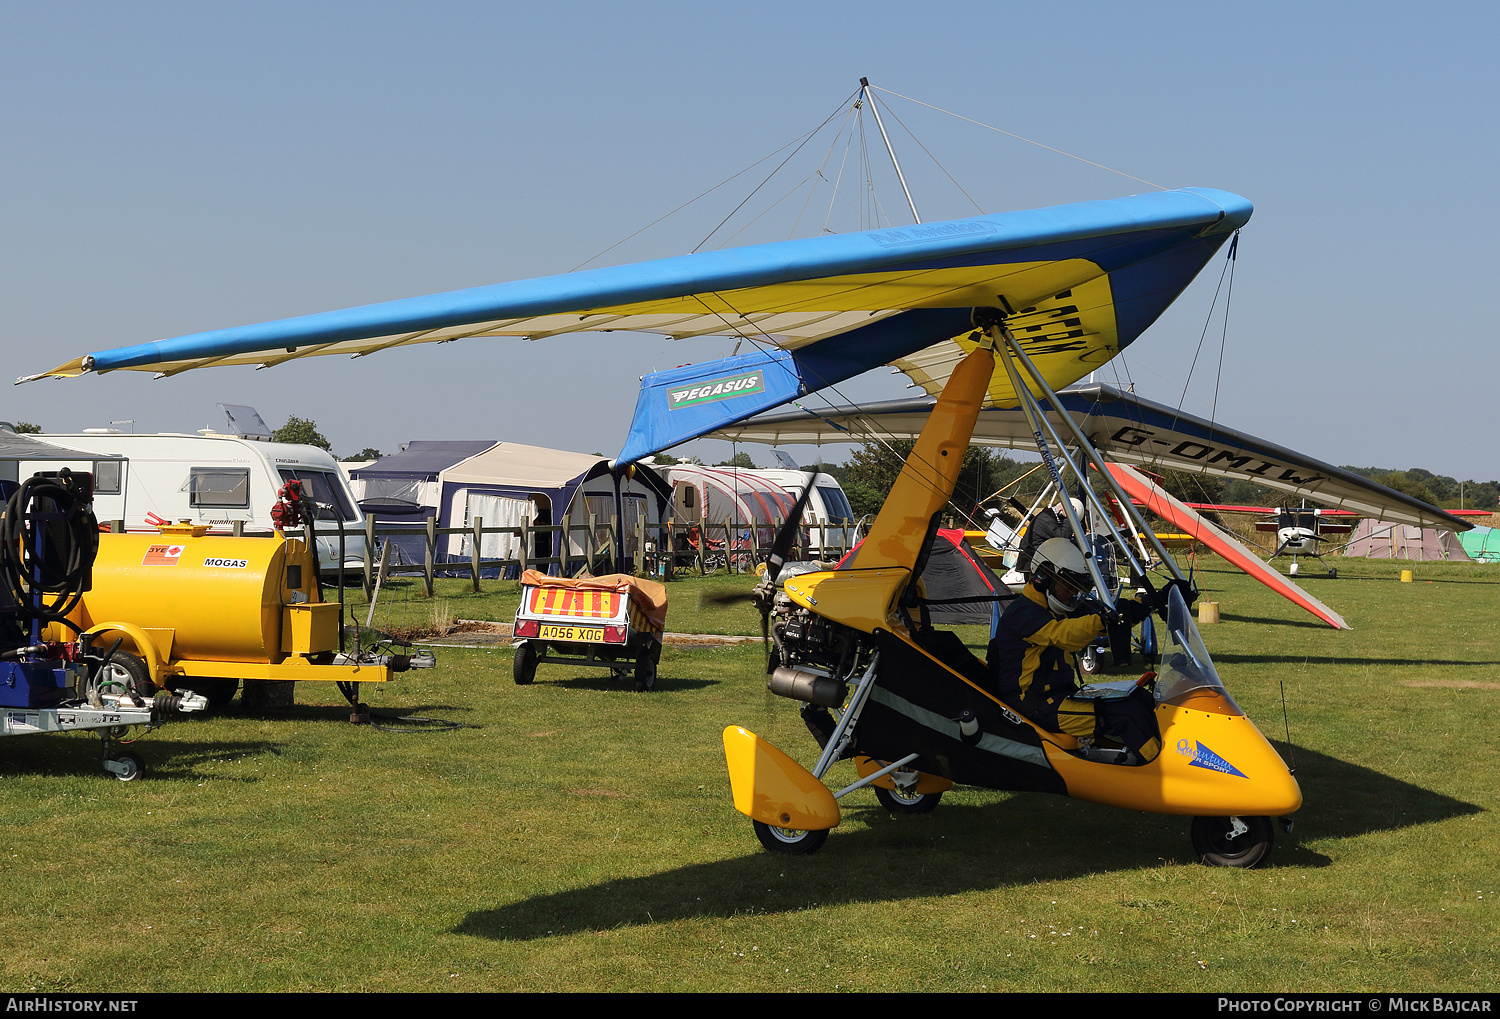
x,y
1202,757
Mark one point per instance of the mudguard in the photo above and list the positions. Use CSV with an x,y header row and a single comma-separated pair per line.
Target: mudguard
x,y
772,788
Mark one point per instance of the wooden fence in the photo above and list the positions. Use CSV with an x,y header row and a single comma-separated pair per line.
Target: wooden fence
x,y
601,543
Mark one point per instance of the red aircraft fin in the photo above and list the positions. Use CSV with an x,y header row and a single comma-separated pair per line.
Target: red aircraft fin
x,y
1140,487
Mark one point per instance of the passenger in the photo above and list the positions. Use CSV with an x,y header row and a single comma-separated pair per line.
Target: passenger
x,y
1048,523
1040,631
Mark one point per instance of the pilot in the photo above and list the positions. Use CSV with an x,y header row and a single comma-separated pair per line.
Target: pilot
x,y
1029,658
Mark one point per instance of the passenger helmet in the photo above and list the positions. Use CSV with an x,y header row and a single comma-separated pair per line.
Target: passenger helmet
x,y
1059,571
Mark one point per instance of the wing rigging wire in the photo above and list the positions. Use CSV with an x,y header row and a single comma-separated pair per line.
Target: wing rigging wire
x,y
940,166
799,141
843,164
1224,273
773,173
1018,137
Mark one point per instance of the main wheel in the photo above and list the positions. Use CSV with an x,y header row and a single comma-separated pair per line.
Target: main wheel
x,y
133,763
1088,660
1232,841
524,669
790,841
645,669
899,802
218,691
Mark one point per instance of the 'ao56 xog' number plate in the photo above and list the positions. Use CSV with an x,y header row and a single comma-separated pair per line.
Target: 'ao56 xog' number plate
x,y
583,633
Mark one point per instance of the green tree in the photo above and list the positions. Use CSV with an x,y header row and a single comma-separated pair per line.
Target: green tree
x,y
27,428
303,431
872,471
368,453
1407,484
663,460
741,460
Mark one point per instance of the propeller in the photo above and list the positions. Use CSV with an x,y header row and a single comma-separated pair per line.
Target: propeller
x,y
787,536
764,593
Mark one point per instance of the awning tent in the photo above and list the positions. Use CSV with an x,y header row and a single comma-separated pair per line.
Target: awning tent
x,y
716,497
1382,539
404,485
15,448
511,482
403,488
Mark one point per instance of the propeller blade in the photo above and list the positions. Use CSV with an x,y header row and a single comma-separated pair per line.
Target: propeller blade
x,y
782,546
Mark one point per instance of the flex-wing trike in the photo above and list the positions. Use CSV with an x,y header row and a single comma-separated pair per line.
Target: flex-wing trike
x,y
917,711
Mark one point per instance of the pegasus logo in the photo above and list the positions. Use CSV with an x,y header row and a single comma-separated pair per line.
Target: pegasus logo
x,y
714,390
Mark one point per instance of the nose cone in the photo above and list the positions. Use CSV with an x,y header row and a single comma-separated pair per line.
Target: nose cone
x,y
1215,765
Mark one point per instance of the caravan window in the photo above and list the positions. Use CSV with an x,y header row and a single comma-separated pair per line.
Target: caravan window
x,y
326,492
838,506
213,487
107,477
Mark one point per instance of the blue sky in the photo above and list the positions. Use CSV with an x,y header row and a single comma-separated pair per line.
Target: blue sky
x,y
169,168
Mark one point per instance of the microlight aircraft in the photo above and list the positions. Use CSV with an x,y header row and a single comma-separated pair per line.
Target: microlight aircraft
x,y
1054,292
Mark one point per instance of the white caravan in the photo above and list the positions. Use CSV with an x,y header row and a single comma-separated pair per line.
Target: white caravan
x,y
210,478
828,506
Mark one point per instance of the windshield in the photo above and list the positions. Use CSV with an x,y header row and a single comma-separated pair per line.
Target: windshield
x,y
1185,663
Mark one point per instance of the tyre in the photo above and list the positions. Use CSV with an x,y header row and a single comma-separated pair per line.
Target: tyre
x,y
132,763
645,669
1219,843
219,692
125,672
525,664
898,802
1088,660
790,841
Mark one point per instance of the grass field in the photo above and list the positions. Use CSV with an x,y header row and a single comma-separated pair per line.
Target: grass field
x,y
575,835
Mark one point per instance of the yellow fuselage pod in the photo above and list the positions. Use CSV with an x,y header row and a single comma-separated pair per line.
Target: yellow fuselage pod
x,y
1214,762
927,480
772,788
862,599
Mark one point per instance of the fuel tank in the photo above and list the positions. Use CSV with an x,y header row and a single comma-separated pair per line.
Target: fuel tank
x,y
224,598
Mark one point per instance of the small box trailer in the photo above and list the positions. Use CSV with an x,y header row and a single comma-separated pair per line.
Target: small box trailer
x,y
612,622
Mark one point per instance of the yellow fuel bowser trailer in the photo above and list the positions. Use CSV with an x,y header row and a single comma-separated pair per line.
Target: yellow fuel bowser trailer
x,y
206,611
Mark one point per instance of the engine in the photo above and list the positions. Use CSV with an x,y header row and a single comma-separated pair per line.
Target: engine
x,y
815,658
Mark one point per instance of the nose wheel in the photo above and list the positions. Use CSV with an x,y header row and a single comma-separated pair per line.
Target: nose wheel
x,y
790,841
1232,841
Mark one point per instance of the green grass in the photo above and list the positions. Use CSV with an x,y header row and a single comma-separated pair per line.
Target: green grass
x,y
578,836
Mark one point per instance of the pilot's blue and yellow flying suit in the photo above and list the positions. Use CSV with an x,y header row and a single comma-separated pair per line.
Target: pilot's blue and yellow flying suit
x,y
1029,664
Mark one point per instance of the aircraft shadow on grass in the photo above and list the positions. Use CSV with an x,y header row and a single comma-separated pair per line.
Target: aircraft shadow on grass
x,y
1224,658
1268,621
1013,842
